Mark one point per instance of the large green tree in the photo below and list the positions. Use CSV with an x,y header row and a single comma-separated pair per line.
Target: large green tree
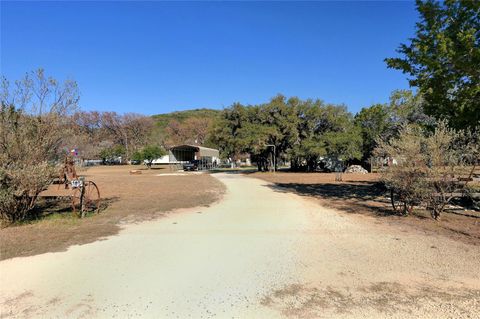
x,y
310,126
385,120
324,130
268,125
372,121
443,60
342,139
279,117
254,129
225,130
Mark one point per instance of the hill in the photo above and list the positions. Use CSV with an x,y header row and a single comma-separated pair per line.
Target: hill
x,y
162,120
191,125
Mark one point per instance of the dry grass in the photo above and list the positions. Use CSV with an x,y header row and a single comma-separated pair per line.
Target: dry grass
x,y
126,198
362,194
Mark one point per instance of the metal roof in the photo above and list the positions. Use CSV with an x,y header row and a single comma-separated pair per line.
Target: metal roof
x,y
204,151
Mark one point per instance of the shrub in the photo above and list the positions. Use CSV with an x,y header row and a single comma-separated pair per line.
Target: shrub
x,y
19,188
406,176
429,167
33,125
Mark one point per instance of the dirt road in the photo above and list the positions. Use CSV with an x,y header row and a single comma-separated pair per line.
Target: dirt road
x,y
259,253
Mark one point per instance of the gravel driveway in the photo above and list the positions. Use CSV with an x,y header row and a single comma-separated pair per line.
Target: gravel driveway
x,y
259,253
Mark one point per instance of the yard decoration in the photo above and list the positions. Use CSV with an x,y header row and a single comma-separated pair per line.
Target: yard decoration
x,y
85,196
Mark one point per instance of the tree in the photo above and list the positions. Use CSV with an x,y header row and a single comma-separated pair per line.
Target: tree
x,y
385,120
307,150
281,115
97,132
341,137
372,122
324,130
262,126
443,59
138,129
88,137
301,132
130,130
404,108
191,131
255,138
344,145
33,125
148,154
114,125
111,152
224,133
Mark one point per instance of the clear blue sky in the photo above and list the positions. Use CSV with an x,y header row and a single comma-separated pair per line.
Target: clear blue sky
x,y
157,57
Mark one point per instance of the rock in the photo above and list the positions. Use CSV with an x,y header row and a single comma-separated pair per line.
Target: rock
x,y
356,169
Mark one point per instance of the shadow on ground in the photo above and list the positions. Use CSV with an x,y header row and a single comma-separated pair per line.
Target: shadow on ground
x,y
61,208
364,195
350,197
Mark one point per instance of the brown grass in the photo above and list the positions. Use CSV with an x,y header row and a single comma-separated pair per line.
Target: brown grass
x,y
126,198
362,194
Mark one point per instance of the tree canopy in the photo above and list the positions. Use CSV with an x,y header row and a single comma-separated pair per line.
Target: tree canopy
x,y
301,130
385,120
443,60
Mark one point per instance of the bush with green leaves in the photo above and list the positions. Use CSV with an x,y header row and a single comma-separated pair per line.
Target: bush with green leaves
x,y
148,154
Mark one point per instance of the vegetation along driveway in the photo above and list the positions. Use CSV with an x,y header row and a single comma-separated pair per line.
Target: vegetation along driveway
x,y
258,253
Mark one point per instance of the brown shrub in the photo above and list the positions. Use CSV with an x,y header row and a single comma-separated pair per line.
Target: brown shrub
x,y
429,168
33,119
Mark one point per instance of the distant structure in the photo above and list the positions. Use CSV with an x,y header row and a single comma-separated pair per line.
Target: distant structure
x,y
180,154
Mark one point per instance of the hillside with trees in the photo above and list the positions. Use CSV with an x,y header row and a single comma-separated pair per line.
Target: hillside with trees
x,y
190,126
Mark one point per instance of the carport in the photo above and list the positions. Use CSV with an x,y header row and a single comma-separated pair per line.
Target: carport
x,y
181,154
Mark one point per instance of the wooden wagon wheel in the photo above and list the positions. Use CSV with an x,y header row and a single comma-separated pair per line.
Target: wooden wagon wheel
x,y
86,199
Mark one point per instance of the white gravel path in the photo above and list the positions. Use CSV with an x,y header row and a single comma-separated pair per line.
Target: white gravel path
x,y
259,253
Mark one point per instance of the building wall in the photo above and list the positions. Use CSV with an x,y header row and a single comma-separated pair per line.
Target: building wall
x,y
183,156
162,160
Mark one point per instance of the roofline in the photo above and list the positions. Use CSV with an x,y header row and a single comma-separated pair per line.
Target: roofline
x,y
194,146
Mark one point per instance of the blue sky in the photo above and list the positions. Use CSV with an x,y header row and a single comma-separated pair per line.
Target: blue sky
x,y
157,57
